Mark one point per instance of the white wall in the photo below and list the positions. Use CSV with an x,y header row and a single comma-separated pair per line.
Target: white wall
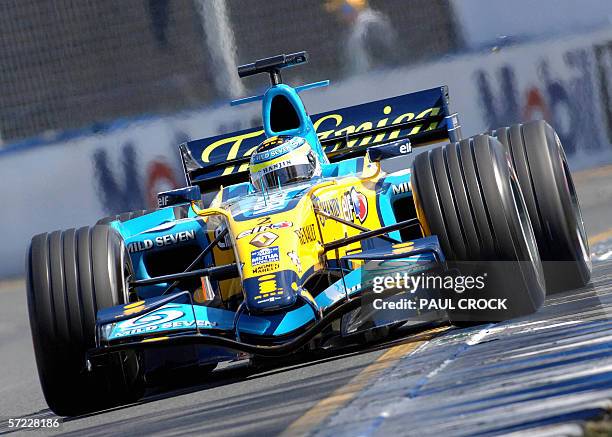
x,y
482,21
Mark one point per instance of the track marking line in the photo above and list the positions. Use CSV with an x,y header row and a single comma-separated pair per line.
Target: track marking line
x,y
605,256
602,236
343,395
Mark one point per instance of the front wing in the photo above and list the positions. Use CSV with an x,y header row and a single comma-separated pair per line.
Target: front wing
x,y
175,319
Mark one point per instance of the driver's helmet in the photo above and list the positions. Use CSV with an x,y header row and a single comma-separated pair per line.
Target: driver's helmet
x,y
283,160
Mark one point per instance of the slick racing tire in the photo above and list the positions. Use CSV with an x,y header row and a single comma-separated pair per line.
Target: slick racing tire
x,y
124,216
70,276
546,182
471,200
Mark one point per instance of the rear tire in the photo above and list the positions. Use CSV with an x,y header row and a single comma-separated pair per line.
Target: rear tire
x,y
71,275
550,195
472,202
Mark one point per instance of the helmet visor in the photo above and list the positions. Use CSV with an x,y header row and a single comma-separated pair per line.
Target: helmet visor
x,y
286,172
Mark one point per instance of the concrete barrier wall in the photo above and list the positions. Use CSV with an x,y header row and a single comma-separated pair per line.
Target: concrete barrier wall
x,y
61,184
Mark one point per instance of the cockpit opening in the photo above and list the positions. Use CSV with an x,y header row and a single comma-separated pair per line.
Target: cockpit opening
x,y
283,115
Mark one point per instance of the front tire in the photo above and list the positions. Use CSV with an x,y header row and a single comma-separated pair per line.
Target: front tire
x,y
471,201
70,276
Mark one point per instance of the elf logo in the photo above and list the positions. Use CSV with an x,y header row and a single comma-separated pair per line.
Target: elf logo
x,y
355,205
264,227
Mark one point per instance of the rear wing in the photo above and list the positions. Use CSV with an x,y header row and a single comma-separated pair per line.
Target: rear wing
x,y
423,117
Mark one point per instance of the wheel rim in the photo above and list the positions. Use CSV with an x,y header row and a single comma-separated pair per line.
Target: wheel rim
x,y
126,274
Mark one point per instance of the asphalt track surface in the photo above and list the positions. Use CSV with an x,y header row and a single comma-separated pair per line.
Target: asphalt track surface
x,y
545,374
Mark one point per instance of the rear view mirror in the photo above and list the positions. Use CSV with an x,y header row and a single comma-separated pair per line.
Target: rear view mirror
x,y
180,196
389,150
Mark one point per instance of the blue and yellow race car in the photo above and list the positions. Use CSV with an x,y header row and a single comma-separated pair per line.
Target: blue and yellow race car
x,y
298,234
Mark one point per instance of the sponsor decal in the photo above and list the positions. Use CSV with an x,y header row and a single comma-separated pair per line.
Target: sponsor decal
x,y
267,299
155,318
405,148
400,188
295,259
140,246
270,143
263,156
264,239
339,129
265,268
269,285
276,166
561,88
265,255
327,126
330,206
263,226
160,320
275,148
178,324
161,241
352,205
163,200
307,234
358,204
269,290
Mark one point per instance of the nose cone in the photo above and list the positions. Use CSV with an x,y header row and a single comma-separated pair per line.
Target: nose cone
x,y
270,275
278,251
271,292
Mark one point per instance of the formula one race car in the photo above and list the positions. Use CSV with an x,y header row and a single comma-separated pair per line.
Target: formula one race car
x,y
279,242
